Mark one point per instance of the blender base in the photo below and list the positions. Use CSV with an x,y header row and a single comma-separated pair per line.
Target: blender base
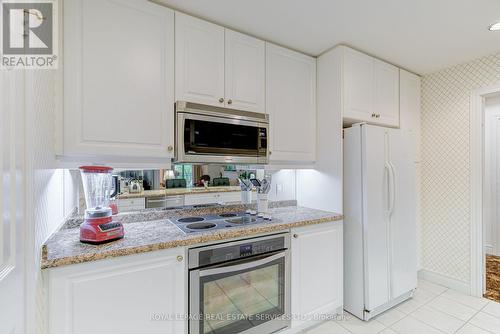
x,y
99,242
100,230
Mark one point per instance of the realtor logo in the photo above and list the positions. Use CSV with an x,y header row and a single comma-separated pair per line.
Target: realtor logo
x,y
28,35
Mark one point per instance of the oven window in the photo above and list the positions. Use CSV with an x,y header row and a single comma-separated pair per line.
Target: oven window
x,y
234,302
203,137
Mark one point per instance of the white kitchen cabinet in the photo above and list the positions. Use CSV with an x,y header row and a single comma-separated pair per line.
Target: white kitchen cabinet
x,y
370,89
118,80
410,106
218,66
358,85
317,271
245,73
199,61
131,294
291,104
386,93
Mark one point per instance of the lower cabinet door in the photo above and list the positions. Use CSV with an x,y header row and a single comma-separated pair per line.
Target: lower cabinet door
x,y
317,269
143,293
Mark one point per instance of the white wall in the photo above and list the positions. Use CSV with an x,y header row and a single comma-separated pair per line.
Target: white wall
x,y
446,209
51,194
283,185
492,176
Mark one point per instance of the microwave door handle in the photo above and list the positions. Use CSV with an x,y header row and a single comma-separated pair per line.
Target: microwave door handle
x,y
243,266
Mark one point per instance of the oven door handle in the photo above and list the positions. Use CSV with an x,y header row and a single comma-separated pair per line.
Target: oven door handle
x,y
250,263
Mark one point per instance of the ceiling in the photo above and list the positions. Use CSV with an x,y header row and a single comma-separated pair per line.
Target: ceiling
x,y
420,35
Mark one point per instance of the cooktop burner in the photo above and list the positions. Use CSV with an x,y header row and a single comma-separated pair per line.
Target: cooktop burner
x,y
228,215
242,220
200,226
212,222
190,219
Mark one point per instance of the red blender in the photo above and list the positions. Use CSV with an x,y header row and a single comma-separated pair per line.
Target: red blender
x,y
98,226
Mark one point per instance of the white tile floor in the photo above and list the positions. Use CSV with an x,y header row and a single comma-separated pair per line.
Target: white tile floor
x,y
433,309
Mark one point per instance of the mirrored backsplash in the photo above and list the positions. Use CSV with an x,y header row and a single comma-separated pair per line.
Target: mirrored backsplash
x,y
186,176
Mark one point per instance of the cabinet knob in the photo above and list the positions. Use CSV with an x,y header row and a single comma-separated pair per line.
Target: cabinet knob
x,y
229,101
378,116
295,236
221,100
374,115
170,148
270,152
180,258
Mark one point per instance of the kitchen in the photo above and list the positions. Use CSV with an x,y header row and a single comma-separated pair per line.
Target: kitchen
x,y
185,168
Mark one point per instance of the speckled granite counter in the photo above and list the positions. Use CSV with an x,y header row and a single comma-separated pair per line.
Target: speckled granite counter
x,y
156,232
179,191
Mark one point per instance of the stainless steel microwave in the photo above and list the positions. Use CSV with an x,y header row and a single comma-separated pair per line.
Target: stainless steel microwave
x,y
208,134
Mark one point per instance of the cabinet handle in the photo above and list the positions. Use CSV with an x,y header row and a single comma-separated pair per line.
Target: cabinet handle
x,y
221,100
229,101
295,236
170,148
180,258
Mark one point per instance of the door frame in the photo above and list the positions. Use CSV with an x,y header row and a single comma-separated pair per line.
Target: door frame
x,y
476,155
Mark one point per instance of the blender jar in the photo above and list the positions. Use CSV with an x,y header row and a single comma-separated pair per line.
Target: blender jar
x,y
97,186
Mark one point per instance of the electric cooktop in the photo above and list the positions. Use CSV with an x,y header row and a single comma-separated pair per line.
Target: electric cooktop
x,y
196,224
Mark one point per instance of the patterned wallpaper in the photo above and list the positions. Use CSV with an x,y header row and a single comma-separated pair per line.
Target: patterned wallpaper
x,y
446,164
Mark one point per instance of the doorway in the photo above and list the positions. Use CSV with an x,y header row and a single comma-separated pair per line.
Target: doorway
x,y
491,202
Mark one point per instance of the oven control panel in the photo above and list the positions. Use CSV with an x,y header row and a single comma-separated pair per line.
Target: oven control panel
x,y
213,254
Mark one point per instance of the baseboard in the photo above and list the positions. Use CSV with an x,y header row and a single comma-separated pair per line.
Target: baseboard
x,y
488,249
446,281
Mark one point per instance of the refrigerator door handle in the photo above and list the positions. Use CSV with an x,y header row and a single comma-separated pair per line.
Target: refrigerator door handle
x,y
388,197
392,186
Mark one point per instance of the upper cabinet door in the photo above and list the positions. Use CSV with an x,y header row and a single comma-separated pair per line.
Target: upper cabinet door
x,y
199,61
291,104
245,72
371,89
409,90
118,79
386,102
358,85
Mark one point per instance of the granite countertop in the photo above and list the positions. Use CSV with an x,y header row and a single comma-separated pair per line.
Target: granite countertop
x,y
156,232
179,191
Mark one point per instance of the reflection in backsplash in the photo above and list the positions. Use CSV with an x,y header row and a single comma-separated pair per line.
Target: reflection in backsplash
x,y
144,185
184,176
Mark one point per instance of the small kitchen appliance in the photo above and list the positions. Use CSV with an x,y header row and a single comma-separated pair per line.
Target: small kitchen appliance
x,y
208,134
99,225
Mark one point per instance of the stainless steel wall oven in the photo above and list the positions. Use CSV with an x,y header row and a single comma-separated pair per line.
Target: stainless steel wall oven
x,y
240,287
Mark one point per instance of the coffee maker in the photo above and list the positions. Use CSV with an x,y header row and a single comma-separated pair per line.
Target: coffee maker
x,y
99,226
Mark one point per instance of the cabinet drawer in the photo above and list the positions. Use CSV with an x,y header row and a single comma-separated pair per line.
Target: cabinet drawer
x,y
231,197
130,204
222,197
196,199
174,201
